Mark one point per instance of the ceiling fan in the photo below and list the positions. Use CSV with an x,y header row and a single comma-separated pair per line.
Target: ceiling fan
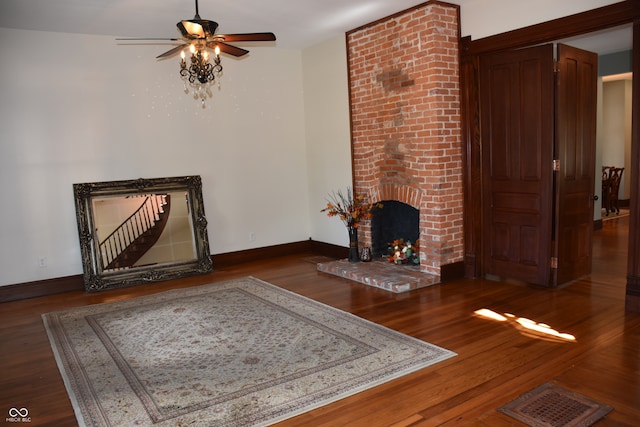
x,y
198,35
201,32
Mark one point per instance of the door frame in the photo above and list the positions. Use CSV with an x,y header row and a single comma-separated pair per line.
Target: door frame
x,y
614,15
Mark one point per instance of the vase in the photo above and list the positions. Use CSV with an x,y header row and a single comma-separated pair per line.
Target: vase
x,y
365,254
353,244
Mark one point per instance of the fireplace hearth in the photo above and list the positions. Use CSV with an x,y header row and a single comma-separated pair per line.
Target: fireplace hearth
x,y
380,274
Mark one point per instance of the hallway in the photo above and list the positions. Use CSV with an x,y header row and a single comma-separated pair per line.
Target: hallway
x,y
610,248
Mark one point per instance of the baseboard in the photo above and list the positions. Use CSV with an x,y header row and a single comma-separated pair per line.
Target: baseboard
x,y
329,250
597,224
263,253
454,271
76,282
41,288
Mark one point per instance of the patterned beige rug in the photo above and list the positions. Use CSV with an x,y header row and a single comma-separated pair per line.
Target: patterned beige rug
x,y
237,353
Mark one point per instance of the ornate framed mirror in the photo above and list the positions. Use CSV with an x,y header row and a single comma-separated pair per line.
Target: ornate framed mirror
x,y
140,231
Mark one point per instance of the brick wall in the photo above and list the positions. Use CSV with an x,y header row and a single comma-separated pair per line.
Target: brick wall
x,y
405,112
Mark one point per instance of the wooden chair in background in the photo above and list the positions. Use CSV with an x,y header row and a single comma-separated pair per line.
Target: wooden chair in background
x,y
611,177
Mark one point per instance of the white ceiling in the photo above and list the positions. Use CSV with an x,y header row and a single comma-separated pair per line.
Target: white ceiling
x,y
606,41
296,23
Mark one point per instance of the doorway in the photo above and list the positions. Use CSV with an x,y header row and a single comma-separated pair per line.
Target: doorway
x,y
607,17
614,139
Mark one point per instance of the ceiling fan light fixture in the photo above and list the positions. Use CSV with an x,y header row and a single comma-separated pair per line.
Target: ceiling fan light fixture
x,y
200,34
200,74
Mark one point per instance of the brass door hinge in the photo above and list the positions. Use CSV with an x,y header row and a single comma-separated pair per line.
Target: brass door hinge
x,y
556,165
554,262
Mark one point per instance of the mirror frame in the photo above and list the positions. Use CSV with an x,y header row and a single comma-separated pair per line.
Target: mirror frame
x,y
95,279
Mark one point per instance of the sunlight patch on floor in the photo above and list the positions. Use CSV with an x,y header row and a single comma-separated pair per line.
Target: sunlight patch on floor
x,y
526,326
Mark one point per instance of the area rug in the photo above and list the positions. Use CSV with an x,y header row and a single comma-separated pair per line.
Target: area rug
x,y
237,353
550,405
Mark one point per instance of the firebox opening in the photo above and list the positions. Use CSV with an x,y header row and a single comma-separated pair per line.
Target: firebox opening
x,y
395,220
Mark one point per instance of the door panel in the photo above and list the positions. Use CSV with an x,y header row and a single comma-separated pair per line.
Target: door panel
x,y
576,94
517,104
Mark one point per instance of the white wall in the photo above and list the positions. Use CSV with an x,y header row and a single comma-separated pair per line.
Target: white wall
x,y
616,141
78,108
597,205
328,134
482,18
626,181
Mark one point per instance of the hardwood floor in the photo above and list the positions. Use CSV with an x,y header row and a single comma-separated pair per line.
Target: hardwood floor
x,y
496,361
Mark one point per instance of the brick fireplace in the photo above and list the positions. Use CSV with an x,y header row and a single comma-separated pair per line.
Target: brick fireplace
x,y
405,115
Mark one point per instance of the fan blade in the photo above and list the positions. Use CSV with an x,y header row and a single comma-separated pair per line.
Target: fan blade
x,y
148,38
172,52
227,48
248,37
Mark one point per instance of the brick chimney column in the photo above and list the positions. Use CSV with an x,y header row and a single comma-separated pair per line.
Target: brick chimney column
x,y
406,128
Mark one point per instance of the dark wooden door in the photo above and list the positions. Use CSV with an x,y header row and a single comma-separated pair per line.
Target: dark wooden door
x,y
576,96
517,133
